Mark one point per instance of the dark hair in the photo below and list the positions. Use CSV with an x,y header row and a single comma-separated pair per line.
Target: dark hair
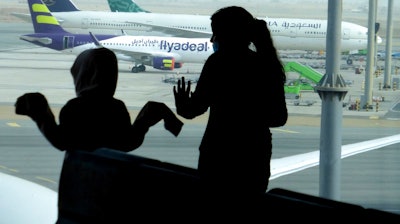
x,y
95,70
262,40
232,24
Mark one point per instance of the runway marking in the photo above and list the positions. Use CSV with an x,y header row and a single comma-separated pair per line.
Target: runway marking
x,y
13,124
392,119
46,179
285,130
9,169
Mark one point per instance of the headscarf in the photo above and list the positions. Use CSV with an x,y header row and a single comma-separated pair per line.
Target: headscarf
x,y
95,72
231,25
234,28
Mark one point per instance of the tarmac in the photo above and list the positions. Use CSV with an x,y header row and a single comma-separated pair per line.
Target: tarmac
x,y
137,88
384,104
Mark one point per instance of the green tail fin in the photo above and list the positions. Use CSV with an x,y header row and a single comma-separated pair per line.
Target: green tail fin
x,y
124,6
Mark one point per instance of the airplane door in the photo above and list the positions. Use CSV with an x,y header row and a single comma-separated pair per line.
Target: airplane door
x,y
68,42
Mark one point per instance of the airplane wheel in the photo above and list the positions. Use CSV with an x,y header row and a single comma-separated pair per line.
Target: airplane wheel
x,y
349,61
135,70
142,68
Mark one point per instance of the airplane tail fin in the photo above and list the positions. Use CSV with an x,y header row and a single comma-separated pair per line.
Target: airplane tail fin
x,y
125,6
60,5
42,19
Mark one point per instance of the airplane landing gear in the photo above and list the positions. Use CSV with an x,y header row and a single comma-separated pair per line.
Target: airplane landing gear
x,y
139,68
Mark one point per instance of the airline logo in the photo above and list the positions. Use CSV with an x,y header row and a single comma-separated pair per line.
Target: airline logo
x,y
45,19
183,46
298,25
173,44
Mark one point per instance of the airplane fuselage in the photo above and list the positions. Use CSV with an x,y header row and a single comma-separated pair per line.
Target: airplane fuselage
x,y
149,50
188,50
288,33
132,21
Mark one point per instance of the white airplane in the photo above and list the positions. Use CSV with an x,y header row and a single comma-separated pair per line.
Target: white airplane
x,y
160,52
27,202
288,33
164,53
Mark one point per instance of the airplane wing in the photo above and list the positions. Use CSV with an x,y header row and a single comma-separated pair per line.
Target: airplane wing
x,y
22,201
292,164
175,32
139,56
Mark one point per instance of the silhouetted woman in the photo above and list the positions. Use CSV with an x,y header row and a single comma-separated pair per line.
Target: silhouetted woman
x,y
243,89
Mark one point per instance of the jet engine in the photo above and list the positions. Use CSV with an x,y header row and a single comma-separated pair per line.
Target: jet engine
x,y
164,63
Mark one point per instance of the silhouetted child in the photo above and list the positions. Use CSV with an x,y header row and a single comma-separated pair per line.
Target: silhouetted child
x,y
95,118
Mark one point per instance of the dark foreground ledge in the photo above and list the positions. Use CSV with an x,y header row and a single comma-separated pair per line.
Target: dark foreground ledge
x,y
108,186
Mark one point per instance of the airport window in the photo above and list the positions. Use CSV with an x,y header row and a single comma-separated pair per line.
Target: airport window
x,y
369,178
